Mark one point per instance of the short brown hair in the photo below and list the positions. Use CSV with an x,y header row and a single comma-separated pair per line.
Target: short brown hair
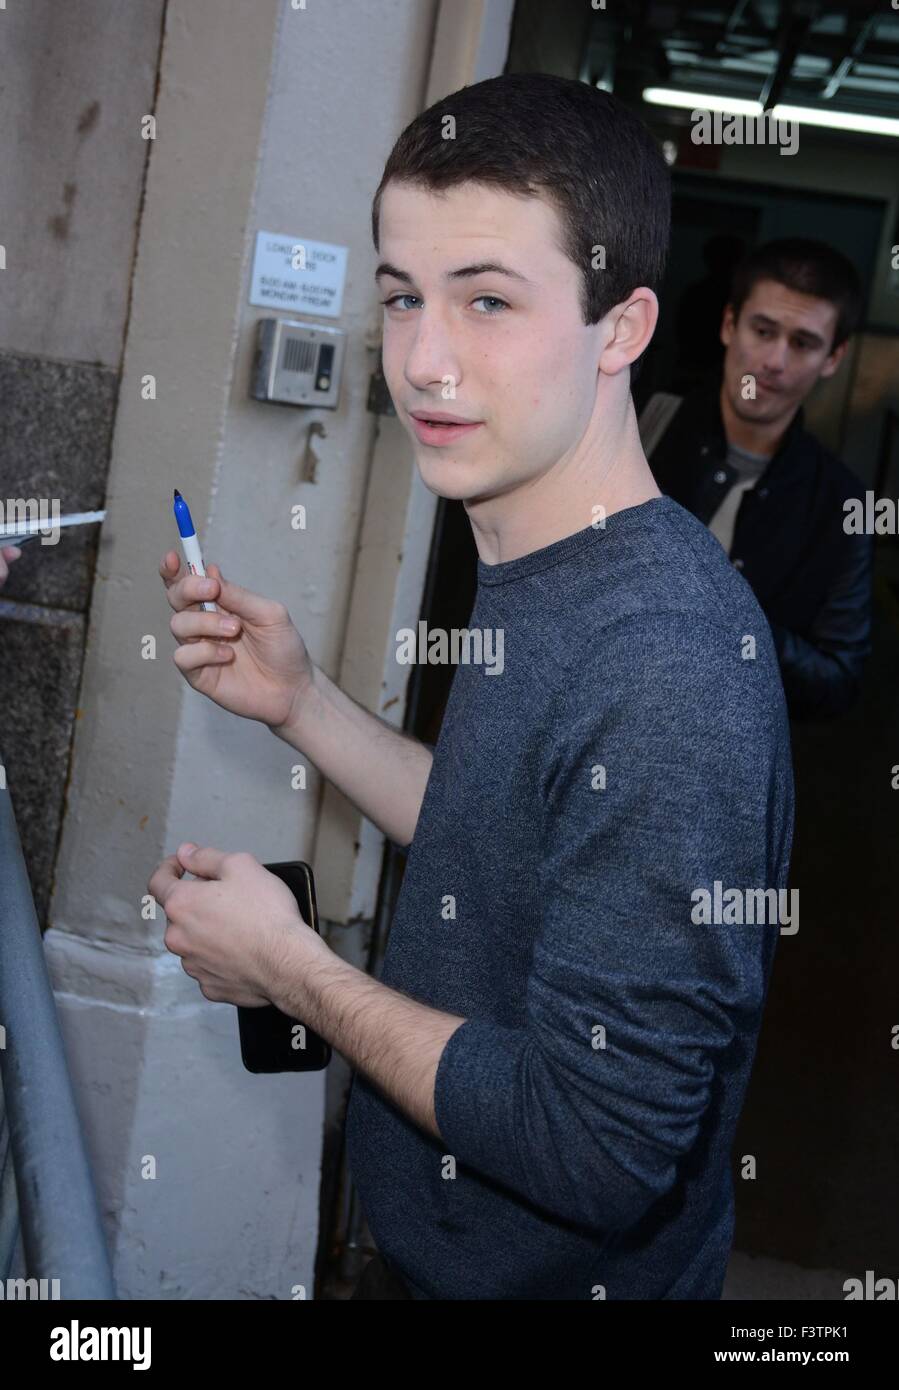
x,y
582,148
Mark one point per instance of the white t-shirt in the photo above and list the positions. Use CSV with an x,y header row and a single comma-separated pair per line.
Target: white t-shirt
x,y
750,468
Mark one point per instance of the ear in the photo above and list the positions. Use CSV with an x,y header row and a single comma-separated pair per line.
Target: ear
x,y
833,361
633,323
728,325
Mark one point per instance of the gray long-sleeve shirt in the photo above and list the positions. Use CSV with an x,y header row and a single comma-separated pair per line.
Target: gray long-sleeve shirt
x,y
633,752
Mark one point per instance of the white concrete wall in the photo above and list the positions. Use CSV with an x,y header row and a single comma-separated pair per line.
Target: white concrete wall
x,y
277,119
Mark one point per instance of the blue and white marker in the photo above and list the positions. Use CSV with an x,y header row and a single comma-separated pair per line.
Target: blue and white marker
x,y
189,543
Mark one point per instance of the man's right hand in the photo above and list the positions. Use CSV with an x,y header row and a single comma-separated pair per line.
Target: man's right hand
x,y
261,670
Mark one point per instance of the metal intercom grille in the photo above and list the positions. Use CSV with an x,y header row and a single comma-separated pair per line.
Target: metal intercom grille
x,y
297,363
299,356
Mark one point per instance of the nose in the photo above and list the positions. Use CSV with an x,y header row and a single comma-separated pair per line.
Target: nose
x,y
432,356
774,358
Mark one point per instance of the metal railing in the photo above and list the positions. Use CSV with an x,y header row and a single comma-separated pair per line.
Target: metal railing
x,y
46,1186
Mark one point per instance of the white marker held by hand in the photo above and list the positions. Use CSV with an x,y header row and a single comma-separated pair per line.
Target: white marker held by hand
x,y
189,543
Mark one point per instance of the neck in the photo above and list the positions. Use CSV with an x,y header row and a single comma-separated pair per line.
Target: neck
x,y
604,474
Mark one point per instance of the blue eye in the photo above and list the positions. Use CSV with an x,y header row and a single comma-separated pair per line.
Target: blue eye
x,y
487,313
388,303
495,300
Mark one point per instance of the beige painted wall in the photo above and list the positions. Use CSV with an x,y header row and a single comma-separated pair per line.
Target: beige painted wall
x,y
77,79
259,126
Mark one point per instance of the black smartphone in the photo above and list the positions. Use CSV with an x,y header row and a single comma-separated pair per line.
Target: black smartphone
x,y
269,1040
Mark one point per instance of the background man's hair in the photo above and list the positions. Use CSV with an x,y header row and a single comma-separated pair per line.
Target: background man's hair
x,y
807,267
578,147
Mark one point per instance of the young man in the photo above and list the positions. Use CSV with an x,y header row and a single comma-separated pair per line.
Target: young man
x,y
550,1070
738,456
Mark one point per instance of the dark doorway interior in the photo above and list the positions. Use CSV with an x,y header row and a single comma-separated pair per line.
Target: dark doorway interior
x,y
705,214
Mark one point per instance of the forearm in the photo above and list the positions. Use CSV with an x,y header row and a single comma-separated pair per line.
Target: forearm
x,y
395,1041
383,771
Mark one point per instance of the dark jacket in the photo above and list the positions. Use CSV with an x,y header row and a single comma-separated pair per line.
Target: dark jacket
x,y
812,580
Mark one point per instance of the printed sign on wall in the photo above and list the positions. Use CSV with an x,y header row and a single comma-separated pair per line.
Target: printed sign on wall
x,y
294,273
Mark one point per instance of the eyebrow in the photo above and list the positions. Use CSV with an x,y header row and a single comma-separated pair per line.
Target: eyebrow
x,y
465,272
801,332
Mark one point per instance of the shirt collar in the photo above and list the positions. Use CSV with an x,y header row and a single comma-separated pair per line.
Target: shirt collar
x,y
783,461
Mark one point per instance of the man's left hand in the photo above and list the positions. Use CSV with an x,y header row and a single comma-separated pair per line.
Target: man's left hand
x,y
236,927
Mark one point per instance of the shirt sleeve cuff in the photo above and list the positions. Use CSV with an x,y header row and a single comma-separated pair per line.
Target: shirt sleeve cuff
x,y
475,1090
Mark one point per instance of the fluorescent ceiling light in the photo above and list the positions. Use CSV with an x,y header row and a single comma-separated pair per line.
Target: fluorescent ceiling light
x,y
701,101
808,115
838,120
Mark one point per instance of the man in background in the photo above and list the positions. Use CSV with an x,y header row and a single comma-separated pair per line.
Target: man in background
x,y
737,455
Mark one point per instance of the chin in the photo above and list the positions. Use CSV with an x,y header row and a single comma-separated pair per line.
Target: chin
x,y
457,484
747,407
445,474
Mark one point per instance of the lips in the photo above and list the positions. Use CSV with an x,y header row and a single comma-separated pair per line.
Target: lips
x,y
440,429
440,417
